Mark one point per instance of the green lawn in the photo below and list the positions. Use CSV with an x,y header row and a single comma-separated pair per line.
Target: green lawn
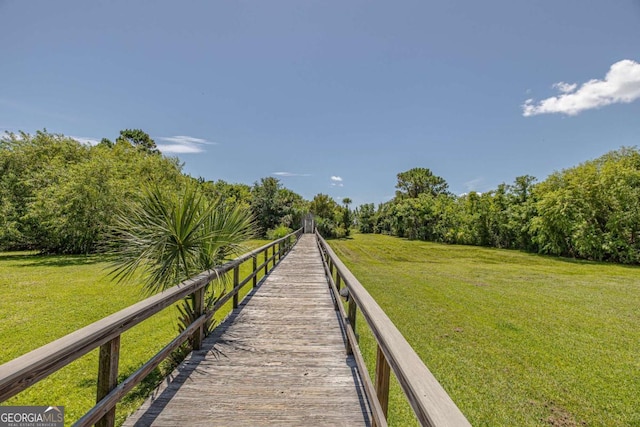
x,y
47,297
516,339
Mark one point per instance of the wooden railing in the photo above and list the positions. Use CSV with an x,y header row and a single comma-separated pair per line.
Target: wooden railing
x,y
19,374
430,402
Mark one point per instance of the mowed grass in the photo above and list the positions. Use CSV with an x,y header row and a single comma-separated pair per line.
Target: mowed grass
x,y
516,339
44,298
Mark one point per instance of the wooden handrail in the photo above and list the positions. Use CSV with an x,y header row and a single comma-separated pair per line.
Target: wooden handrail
x,y
430,402
24,371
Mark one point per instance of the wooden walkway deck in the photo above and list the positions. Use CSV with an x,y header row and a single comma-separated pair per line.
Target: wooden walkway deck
x,y
279,359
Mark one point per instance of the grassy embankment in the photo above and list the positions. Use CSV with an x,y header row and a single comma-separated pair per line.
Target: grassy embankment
x,y
47,297
516,339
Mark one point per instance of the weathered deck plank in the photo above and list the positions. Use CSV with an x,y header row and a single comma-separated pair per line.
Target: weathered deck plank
x,y
279,359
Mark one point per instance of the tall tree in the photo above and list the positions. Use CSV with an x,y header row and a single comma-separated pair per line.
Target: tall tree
x,y
139,139
325,210
347,216
365,217
416,181
266,203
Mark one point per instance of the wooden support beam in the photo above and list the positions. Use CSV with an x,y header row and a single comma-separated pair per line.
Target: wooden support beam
x,y
266,261
351,317
108,377
198,306
382,381
236,281
255,272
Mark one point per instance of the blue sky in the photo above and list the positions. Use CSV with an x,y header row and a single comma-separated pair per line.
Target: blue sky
x,y
333,97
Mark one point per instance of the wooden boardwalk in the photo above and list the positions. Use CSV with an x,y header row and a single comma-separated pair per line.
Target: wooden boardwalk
x,y
279,359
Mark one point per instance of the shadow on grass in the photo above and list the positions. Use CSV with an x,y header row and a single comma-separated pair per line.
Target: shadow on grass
x,y
144,389
34,259
139,392
579,261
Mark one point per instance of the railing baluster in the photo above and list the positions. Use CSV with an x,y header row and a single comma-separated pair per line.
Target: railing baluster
x,y
198,308
255,271
236,280
266,263
351,316
382,380
273,256
108,377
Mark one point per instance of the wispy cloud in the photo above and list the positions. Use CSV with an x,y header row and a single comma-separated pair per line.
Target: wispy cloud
x,y
84,140
182,144
290,174
620,85
473,184
336,181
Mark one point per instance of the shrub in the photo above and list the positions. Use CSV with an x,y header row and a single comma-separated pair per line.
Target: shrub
x,y
278,232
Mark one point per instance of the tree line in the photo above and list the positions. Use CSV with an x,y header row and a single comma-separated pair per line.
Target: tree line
x,y
591,211
58,195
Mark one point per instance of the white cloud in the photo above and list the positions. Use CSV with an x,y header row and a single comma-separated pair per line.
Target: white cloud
x,y
88,141
183,144
290,174
179,148
182,139
565,87
336,179
620,85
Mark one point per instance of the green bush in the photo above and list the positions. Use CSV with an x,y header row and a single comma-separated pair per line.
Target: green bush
x,y
278,232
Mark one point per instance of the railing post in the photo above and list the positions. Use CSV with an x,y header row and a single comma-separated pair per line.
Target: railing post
x,y
236,281
338,282
266,264
382,380
108,377
255,271
198,309
336,300
351,316
273,256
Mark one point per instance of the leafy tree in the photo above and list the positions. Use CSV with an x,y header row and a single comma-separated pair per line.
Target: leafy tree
x,y
347,216
139,139
106,142
266,204
592,210
365,217
294,208
233,194
58,195
416,181
325,210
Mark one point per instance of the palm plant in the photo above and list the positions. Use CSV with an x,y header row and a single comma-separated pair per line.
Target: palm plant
x,y
169,237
